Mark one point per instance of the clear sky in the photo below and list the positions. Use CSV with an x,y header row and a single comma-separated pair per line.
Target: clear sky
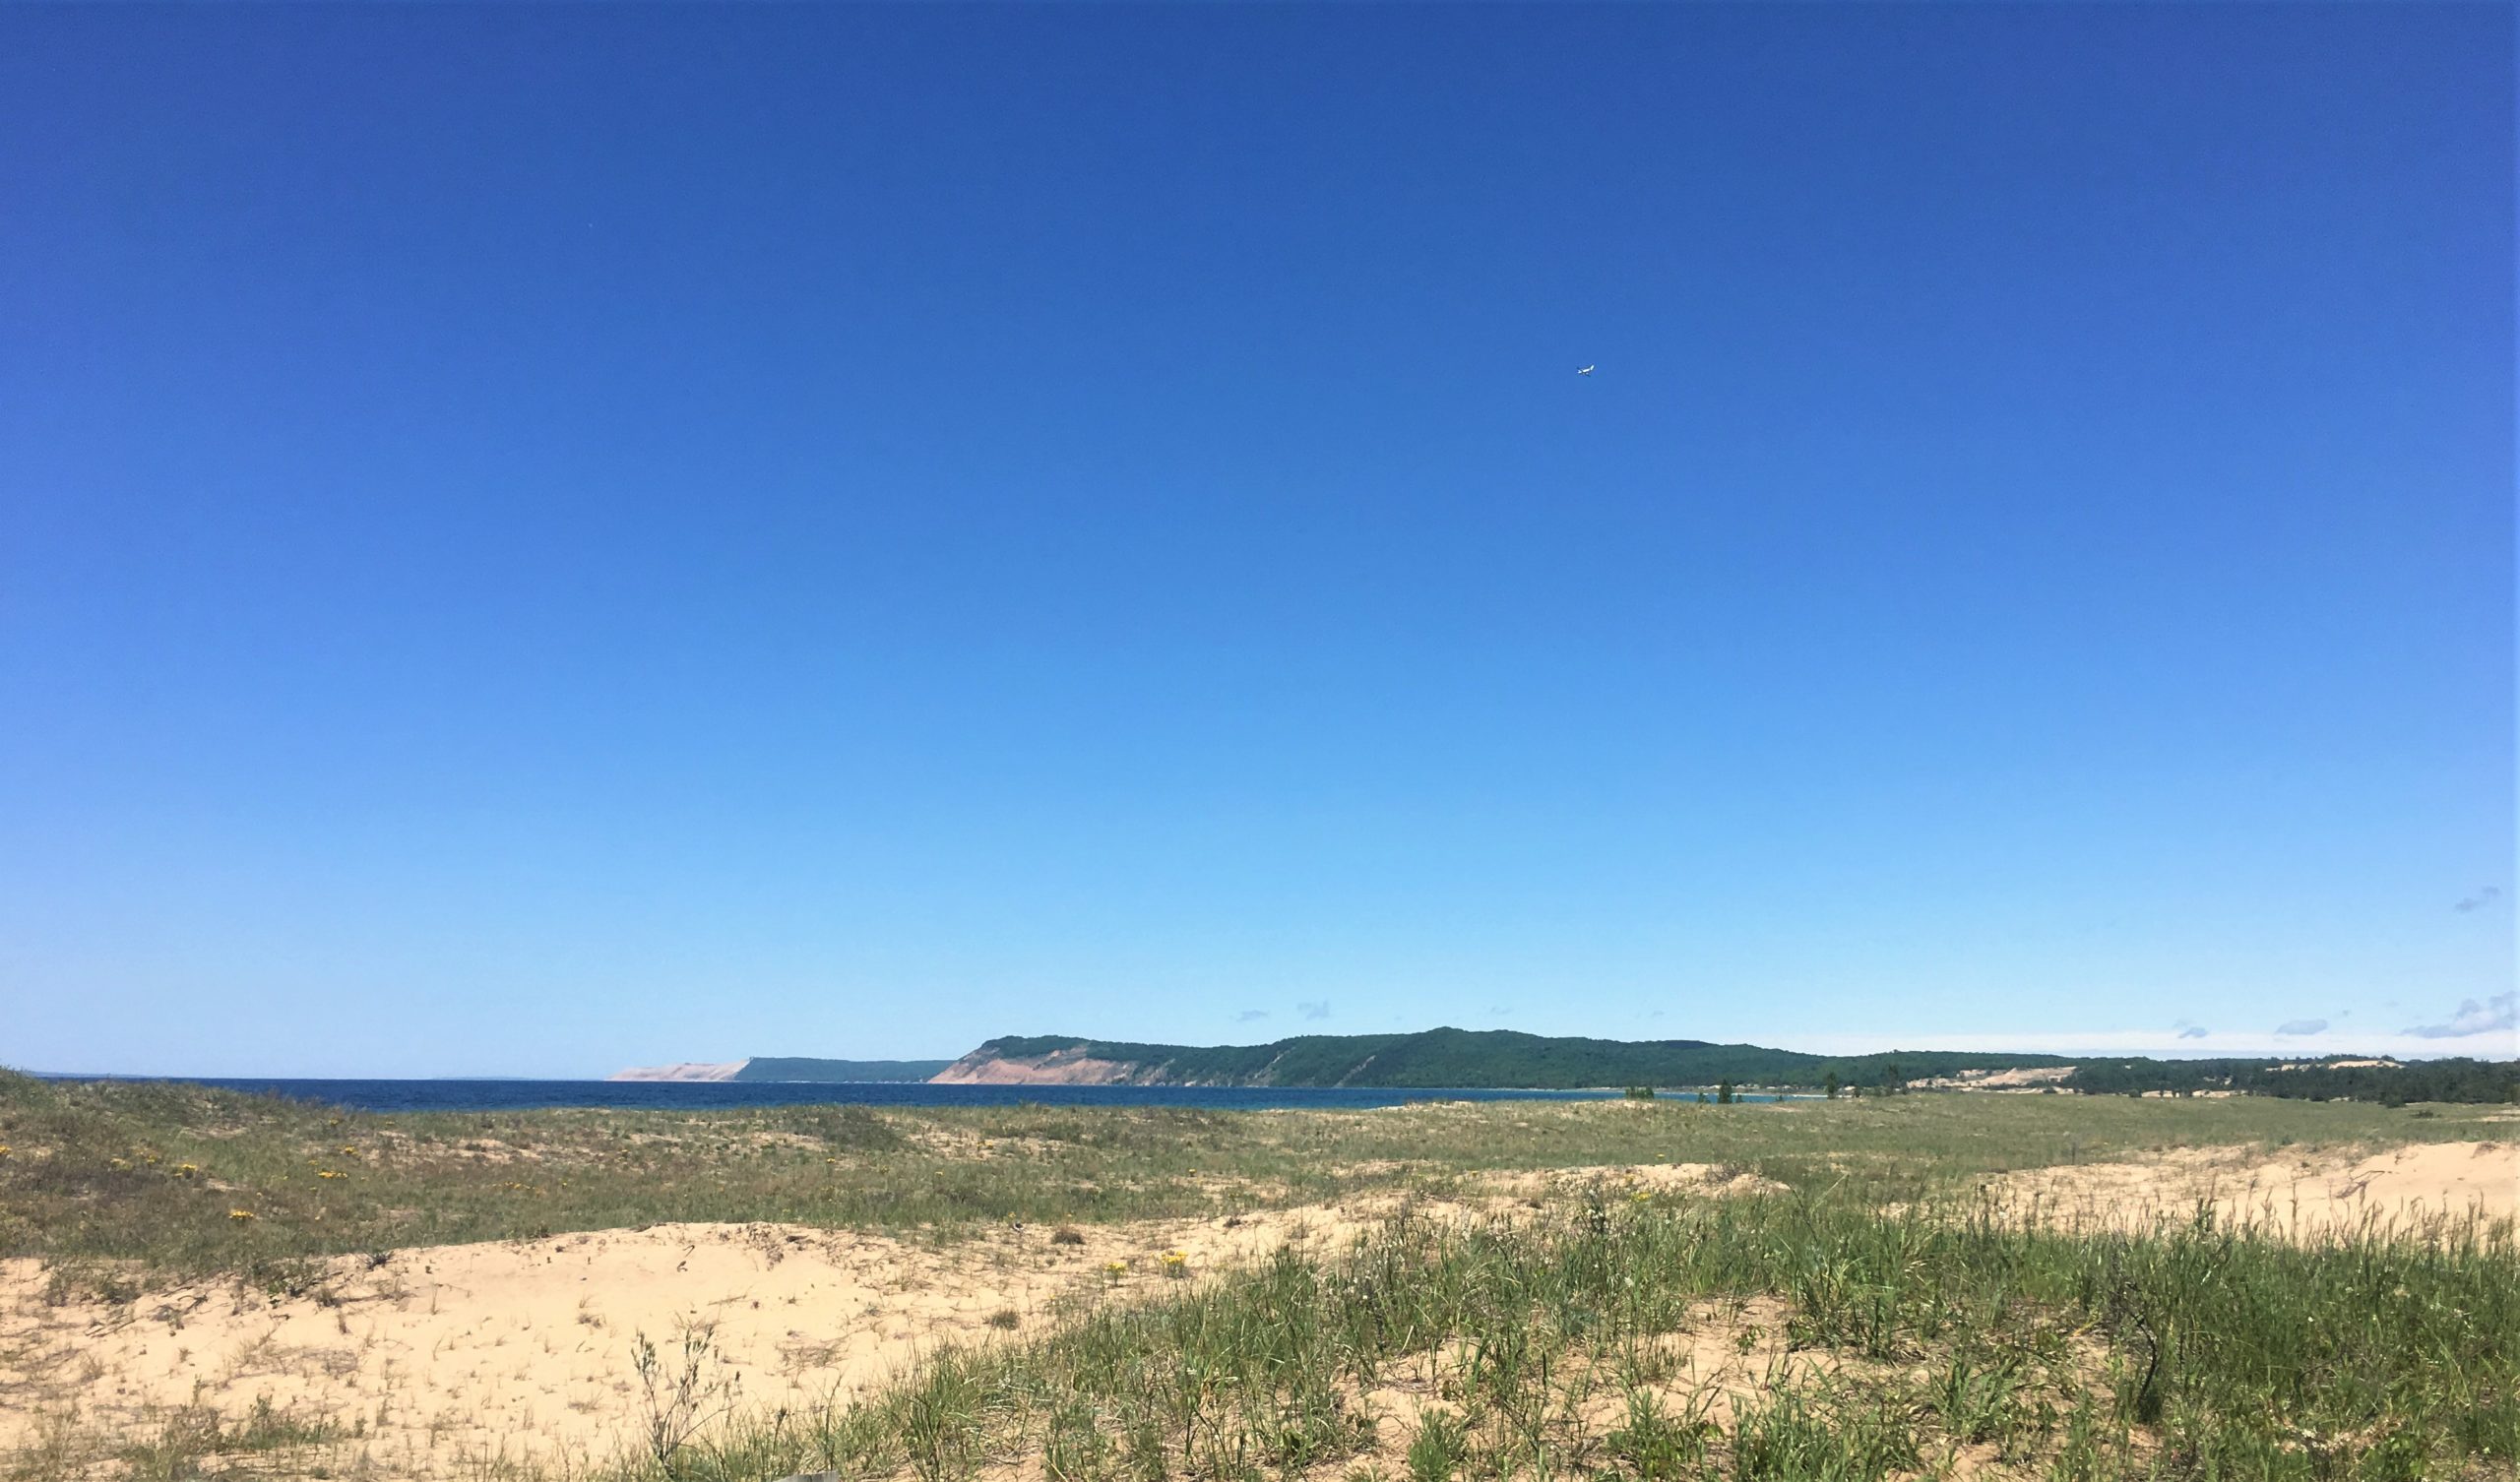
x,y
533,540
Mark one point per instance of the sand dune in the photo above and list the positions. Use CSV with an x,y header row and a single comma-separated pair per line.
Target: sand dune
x,y
688,1069
439,1357
445,1355
449,1355
2300,1196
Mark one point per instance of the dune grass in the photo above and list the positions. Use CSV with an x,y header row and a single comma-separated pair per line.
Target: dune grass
x,y
1875,1319
1582,1345
123,1184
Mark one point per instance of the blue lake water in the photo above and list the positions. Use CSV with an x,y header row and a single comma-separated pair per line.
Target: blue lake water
x,y
692,1096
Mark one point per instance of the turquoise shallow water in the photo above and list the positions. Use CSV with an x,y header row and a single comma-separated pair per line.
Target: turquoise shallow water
x,y
516,1095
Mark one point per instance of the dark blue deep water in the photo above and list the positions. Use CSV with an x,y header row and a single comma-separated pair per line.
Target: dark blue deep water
x,y
516,1095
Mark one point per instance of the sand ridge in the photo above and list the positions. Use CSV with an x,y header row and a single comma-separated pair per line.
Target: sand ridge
x,y
2301,1196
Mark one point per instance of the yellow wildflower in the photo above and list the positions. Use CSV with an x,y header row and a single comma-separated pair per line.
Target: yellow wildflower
x,y
187,1170
329,1173
240,1216
1117,1266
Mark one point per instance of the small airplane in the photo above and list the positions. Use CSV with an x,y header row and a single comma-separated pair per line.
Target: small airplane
x,y
1584,370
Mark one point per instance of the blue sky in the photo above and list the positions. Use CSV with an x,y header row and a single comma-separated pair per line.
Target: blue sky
x,y
533,540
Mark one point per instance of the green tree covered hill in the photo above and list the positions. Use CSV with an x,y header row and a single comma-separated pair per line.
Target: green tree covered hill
x,y
1493,1059
808,1068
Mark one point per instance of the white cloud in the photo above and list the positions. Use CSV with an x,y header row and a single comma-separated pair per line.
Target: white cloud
x,y
2170,1043
2500,1012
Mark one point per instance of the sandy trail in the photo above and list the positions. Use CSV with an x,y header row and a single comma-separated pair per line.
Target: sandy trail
x,y
445,1356
2300,1197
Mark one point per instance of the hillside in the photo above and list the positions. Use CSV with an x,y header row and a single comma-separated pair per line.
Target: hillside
x,y
1466,1059
790,1067
806,1068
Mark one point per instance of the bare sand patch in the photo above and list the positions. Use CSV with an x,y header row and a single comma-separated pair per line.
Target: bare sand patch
x,y
2021,1078
1071,1066
2301,1196
447,1355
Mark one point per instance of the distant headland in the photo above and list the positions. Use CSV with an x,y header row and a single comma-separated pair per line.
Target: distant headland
x,y
1507,1060
1465,1059
789,1068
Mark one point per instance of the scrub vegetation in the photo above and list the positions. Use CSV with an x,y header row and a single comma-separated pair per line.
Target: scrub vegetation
x,y
1862,1303
142,1180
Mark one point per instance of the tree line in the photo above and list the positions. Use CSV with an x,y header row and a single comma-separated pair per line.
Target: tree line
x,y
2459,1080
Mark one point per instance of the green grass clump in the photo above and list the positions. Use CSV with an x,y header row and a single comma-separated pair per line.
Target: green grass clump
x,y
1551,1349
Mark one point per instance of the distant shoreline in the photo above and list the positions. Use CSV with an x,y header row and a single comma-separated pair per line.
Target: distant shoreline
x,y
424,1095
1775,1093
